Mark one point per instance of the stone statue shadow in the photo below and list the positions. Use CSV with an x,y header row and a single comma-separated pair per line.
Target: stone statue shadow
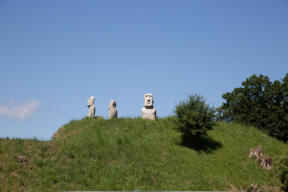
x,y
200,143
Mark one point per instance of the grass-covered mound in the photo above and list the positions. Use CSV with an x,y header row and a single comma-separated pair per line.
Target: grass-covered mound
x,y
130,154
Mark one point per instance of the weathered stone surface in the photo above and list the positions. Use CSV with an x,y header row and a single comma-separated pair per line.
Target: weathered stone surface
x,y
254,188
112,110
22,159
148,111
90,105
256,153
264,160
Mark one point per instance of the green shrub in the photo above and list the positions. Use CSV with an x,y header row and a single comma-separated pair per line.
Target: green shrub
x,y
284,179
194,117
284,173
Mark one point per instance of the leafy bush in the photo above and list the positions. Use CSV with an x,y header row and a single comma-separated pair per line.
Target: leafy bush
x,y
194,117
284,180
259,102
284,173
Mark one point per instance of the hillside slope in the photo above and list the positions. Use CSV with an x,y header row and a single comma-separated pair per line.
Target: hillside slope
x,y
130,154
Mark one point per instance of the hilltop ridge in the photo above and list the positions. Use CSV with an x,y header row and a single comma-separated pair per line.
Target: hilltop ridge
x,y
130,154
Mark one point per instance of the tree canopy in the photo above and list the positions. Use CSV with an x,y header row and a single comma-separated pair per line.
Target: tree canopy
x,y
259,102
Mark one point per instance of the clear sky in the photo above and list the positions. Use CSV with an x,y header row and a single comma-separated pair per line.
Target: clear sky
x,y
55,54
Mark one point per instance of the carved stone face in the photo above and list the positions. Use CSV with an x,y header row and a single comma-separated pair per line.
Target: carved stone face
x,y
112,104
148,100
90,101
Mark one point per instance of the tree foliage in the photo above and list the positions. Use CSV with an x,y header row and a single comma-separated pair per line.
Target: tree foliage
x,y
194,116
259,102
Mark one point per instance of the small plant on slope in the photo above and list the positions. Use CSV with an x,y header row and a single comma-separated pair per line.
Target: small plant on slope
x,y
194,117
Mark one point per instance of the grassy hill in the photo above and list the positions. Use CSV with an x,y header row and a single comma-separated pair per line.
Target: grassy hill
x,y
130,154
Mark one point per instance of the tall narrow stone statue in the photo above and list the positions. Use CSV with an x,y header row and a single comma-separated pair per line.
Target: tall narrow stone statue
x,y
90,105
112,110
148,111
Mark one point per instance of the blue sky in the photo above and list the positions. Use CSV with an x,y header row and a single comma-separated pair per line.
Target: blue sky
x,y
54,55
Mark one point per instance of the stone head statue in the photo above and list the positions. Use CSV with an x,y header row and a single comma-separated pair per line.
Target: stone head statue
x,y
112,104
91,101
148,100
148,111
90,105
112,110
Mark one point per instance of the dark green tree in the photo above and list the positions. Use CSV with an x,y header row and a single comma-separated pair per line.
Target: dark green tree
x,y
194,117
259,102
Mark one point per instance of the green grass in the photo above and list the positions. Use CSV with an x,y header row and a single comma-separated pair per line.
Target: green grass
x,y
130,154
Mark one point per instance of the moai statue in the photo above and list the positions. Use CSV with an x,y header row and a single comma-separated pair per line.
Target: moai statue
x,y
148,111
90,105
112,110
